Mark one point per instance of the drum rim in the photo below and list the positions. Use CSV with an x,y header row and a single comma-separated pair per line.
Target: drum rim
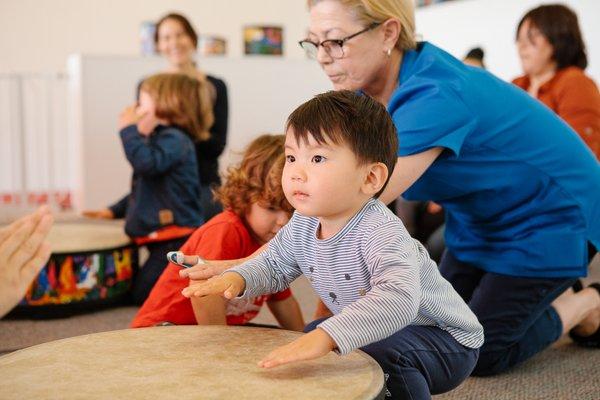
x,y
124,244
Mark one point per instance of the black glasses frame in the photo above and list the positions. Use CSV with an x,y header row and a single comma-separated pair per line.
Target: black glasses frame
x,y
339,42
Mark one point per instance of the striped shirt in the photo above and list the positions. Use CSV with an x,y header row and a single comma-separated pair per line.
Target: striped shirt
x,y
373,276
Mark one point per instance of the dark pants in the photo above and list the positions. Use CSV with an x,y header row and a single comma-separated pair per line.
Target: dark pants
x,y
516,313
149,273
419,361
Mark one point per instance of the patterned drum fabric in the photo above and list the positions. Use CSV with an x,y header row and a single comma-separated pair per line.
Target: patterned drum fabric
x,y
92,264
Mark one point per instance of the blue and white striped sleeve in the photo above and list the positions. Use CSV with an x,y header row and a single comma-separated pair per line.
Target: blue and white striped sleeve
x,y
274,269
393,300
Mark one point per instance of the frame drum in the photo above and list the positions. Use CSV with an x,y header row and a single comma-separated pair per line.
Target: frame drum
x,y
183,362
92,265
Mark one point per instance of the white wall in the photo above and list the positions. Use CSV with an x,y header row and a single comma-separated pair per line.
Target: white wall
x,y
460,25
38,35
262,93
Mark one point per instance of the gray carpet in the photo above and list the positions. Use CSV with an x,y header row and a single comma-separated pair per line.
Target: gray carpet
x,y
564,371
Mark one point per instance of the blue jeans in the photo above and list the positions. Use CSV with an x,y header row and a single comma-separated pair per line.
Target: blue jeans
x,y
516,313
419,361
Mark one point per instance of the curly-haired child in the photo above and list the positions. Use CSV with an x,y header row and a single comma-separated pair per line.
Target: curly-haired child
x,y
255,210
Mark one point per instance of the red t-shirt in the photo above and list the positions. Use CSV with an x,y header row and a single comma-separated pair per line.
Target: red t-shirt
x,y
224,237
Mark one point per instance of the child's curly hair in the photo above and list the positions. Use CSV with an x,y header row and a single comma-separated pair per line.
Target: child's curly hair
x,y
257,179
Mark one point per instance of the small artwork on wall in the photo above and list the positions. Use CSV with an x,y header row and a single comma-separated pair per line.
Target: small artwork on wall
x,y
212,45
263,40
423,3
147,46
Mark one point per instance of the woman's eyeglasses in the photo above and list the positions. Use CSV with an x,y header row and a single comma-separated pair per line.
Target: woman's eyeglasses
x,y
333,47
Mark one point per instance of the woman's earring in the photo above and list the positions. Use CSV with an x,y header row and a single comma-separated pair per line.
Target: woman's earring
x,y
389,52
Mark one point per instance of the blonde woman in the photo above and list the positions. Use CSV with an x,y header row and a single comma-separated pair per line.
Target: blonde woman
x,y
520,190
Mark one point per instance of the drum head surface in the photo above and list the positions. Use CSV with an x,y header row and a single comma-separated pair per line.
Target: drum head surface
x,y
82,237
182,362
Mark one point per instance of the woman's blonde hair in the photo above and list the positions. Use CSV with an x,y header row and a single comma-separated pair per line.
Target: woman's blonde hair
x,y
257,179
371,11
181,101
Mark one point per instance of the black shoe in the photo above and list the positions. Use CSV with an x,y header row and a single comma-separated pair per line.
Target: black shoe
x,y
592,340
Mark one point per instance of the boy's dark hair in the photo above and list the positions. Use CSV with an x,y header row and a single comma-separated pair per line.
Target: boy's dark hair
x,y
559,25
344,117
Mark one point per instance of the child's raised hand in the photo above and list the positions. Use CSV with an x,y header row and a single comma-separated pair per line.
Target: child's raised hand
x,y
129,116
314,344
228,285
208,269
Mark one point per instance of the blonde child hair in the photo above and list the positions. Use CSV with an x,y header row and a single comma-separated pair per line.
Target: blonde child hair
x,y
180,100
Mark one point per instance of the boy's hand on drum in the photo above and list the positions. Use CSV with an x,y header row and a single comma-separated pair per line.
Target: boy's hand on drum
x,y
207,270
228,285
23,252
314,344
104,213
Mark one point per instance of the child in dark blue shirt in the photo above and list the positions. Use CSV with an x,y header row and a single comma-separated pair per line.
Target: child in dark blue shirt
x,y
158,136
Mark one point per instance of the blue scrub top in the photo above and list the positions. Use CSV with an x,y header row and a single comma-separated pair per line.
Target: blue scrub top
x,y
520,189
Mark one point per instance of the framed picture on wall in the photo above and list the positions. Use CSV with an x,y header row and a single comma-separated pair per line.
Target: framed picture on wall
x,y
265,40
147,29
212,45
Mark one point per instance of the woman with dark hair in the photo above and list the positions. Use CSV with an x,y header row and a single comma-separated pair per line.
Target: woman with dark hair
x,y
553,58
176,40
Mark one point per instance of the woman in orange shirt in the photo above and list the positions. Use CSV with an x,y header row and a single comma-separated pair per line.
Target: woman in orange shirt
x,y
553,58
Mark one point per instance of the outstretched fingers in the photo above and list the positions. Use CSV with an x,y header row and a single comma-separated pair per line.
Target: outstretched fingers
x,y
28,240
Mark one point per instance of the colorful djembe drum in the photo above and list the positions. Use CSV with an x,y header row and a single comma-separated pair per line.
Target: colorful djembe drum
x,y
92,266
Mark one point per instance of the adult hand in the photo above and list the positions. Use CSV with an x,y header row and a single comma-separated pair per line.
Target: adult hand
x,y
104,213
314,344
23,253
206,270
228,285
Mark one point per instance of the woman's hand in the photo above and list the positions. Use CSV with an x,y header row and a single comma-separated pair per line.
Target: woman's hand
x,y
212,268
208,269
228,285
104,213
23,253
314,344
